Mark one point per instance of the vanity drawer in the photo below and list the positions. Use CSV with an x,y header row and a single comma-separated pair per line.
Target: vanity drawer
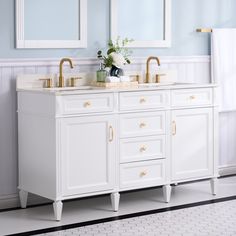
x,y
86,103
142,174
191,97
140,124
143,148
142,100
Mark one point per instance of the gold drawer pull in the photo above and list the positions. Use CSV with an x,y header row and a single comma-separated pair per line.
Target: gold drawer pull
x,y
142,125
192,97
143,173
87,104
142,100
143,148
173,128
111,133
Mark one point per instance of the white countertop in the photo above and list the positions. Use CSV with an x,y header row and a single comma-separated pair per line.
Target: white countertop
x,y
92,89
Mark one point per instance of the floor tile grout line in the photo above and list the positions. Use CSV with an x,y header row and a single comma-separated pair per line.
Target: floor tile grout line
x,y
126,216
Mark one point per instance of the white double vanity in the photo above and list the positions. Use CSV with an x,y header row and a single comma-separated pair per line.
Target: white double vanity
x,y
82,142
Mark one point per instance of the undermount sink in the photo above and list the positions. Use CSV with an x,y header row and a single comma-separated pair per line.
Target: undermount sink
x,y
63,89
148,85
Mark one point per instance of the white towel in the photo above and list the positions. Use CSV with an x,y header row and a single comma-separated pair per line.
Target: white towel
x,y
224,66
124,78
112,79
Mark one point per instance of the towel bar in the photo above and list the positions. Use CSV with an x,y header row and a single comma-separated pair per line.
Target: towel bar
x,y
204,30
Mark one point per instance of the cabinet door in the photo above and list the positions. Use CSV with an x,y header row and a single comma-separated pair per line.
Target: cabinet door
x,y
192,143
88,154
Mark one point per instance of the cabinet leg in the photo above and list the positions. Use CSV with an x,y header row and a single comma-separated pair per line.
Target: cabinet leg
x,y
115,199
57,207
214,186
23,198
166,192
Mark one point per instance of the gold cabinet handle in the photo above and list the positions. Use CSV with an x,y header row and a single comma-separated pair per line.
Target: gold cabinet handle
x,y
87,104
47,82
173,128
111,133
143,148
142,125
192,97
143,173
142,100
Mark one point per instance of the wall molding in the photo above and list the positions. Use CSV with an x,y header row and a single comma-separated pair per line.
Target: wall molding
x,y
227,170
13,201
21,62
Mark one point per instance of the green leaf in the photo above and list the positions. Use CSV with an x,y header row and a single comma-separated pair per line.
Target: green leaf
x,y
109,51
127,60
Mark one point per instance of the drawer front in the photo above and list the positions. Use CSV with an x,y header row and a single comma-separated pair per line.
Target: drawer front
x,y
140,149
139,124
72,104
191,97
142,100
142,174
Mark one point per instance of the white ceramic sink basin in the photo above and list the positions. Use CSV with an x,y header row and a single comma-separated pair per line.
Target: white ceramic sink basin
x,y
63,89
148,85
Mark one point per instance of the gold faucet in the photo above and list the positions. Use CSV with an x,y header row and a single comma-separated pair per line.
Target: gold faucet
x,y
61,78
147,67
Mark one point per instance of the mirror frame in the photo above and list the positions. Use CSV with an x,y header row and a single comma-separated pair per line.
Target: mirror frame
x,y
21,42
166,42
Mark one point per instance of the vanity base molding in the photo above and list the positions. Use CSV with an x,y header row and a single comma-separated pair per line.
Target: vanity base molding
x,y
81,144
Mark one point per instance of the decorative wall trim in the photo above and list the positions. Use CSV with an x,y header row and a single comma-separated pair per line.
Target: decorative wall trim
x,y
94,61
9,201
227,170
13,201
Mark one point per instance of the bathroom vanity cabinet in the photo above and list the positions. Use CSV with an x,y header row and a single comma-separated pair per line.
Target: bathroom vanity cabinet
x,y
81,143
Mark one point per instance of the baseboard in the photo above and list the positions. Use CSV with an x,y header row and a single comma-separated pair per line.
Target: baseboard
x,y
9,201
12,201
227,170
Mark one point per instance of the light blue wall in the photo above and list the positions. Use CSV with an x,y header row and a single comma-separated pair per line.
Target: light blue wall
x,y
187,15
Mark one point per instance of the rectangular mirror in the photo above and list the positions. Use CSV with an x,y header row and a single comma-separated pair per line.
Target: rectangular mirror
x,y
147,22
51,23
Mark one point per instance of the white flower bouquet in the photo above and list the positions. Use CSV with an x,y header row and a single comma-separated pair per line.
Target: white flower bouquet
x,y
117,54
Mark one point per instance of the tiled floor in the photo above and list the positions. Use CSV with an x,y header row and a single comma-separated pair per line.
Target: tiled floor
x,y
84,210
218,219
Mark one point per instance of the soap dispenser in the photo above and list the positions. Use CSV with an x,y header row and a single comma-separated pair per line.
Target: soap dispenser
x,y
101,74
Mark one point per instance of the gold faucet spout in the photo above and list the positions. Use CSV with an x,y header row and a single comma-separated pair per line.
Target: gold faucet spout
x,y
61,78
148,67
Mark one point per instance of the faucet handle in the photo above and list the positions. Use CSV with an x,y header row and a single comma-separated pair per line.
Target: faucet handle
x,y
135,77
47,82
158,77
72,81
